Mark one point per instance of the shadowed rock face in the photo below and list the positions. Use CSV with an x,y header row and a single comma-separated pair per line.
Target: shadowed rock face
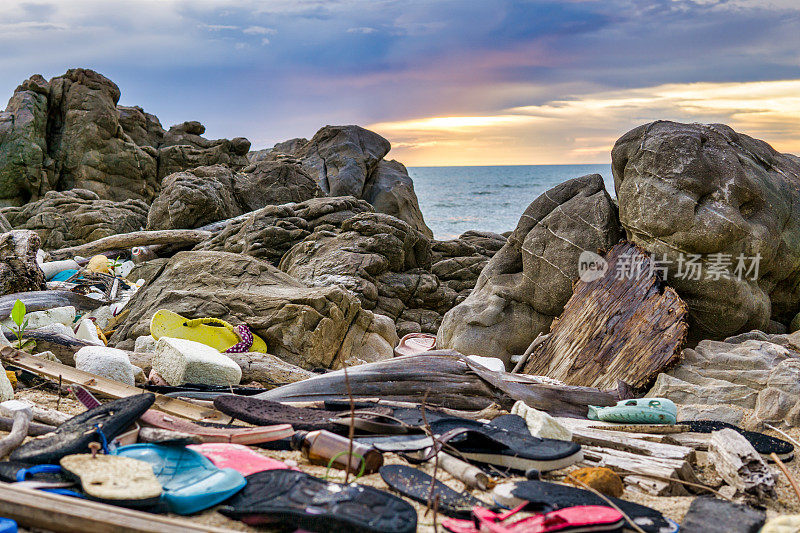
x,y
19,271
68,133
698,189
526,284
311,327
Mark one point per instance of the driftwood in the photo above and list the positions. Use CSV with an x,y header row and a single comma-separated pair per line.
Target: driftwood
x,y
34,429
470,475
44,300
740,465
183,237
616,328
441,378
19,430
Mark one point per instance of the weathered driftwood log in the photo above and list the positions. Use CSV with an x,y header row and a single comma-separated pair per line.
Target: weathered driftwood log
x,y
442,378
182,237
19,430
43,300
740,465
625,326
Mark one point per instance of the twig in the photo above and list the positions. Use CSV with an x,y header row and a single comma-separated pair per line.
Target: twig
x,y
352,429
429,431
782,466
524,358
609,502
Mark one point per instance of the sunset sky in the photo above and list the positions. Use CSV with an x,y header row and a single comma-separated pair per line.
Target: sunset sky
x,y
447,82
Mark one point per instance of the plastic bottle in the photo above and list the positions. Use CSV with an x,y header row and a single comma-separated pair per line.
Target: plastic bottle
x,y
319,447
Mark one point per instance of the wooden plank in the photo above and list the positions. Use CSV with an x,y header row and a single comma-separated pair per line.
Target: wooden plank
x,y
107,387
627,443
625,326
740,465
52,512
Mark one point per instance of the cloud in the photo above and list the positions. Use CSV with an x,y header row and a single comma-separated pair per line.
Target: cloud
x,y
365,30
217,27
259,30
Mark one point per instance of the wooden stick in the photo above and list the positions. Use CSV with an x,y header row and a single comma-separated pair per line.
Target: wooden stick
x,y
786,473
22,419
107,387
540,338
468,474
43,510
185,237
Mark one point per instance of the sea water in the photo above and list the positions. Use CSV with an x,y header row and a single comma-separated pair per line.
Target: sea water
x,y
488,198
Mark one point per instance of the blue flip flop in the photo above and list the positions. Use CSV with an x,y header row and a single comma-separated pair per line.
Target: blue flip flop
x,y
190,481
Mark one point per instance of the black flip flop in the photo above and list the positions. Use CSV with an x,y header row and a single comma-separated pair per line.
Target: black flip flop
x,y
544,497
763,444
486,443
294,498
100,424
416,484
711,515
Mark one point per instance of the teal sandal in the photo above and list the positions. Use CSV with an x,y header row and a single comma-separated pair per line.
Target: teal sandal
x,y
641,411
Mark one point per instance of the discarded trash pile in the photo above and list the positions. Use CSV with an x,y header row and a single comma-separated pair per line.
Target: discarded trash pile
x,y
239,365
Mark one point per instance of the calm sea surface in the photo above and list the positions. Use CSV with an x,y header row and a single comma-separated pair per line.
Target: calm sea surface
x,y
457,199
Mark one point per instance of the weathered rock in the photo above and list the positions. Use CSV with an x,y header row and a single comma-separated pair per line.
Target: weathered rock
x,y
183,148
181,361
459,262
76,217
5,225
342,157
601,479
728,196
19,271
757,371
526,284
311,327
390,190
795,324
273,183
142,127
270,232
107,362
379,258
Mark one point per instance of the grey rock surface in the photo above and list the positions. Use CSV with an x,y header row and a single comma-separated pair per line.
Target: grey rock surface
x,y
19,271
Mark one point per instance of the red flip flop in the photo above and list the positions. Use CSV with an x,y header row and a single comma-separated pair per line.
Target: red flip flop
x,y
579,519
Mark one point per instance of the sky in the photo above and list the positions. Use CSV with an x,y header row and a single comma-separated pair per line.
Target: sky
x,y
447,82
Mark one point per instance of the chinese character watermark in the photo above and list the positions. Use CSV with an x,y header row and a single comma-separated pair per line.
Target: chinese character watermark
x,y
692,267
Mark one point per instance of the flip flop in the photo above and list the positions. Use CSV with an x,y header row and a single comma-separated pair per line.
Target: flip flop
x,y
544,497
114,479
485,443
212,332
100,424
295,498
416,484
265,412
763,444
15,472
415,343
579,519
640,411
190,482
238,457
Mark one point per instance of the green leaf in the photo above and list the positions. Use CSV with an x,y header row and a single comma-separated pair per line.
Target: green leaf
x,y
18,312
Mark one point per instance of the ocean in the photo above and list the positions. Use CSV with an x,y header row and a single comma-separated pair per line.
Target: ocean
x,y
488,198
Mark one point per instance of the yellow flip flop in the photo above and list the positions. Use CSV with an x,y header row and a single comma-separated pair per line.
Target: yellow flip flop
x,y
212,332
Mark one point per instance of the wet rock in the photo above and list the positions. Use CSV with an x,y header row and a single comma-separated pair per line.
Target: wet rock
x,y
75,217
312,327
750,373
181,361
379,258
270,232
106,362
526,284
19,271
727,194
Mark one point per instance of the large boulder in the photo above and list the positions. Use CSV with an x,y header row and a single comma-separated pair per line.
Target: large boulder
x,y
183,148
311,327
143,128
19,271
273,183
458,262
750,371
5,225
75,217
381,259
270,232
707,195
390,190
526,284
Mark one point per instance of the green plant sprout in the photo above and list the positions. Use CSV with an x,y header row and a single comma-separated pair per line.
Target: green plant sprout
x,y
18,317
113,264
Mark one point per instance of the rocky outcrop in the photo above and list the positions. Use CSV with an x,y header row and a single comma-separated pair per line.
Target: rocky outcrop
x,y
708,195
5,225
751,371
526,284
19,271
459,262
69,133
348,160
270,232
381,259
75,217
311,327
